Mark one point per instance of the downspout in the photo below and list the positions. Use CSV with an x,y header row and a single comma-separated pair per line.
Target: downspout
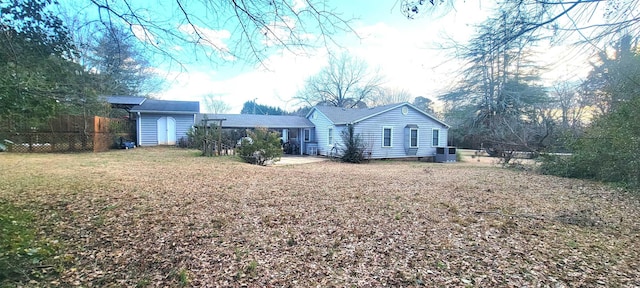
x,y
138,130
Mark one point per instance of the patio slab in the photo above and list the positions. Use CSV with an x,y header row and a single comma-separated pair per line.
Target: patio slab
x,y
295,160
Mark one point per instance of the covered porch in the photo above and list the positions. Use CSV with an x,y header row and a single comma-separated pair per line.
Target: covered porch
x,y
296,133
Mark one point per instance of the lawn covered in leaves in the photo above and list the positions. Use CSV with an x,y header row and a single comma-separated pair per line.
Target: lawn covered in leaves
x,y
165,217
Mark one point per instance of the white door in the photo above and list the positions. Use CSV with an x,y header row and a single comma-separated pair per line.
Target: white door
x,y
166,131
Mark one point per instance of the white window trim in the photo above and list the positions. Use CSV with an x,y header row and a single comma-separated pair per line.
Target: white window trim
x,y
439,135
330,136
390,137
417,137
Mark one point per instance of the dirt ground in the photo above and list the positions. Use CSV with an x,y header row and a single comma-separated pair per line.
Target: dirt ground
x,y
152,217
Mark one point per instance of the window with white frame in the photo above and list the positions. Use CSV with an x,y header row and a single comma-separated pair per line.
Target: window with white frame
x,y
435,137
413,138
386,136
330,136
307,135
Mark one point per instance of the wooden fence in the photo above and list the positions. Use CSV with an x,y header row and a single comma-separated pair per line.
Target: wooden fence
x,y
69,134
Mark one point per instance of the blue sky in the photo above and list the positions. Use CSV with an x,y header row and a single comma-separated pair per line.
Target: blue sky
x,y
405,51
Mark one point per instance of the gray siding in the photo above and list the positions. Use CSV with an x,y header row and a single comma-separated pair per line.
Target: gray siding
x,y
320,133
371,132
149,127
184,122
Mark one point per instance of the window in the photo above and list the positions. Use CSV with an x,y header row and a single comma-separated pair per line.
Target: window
x,y
386,136
435,137
413,137
331,136
307,135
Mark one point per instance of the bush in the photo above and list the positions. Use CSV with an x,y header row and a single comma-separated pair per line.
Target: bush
x,y
607,152
354,146
265,147
201,138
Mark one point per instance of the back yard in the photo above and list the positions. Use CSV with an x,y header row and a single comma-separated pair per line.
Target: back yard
x,y
165,217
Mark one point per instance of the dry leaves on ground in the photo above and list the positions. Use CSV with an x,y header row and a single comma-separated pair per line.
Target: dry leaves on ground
x,y
164,217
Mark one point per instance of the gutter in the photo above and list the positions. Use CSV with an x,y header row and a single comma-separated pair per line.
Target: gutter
x,y
163,112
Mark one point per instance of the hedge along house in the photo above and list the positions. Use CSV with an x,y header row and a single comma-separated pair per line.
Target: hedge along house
x,y
158,122
391,131
294,130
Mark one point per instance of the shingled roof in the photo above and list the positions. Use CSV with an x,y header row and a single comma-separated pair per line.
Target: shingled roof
x,y
124,102
168,106
252,121
343,116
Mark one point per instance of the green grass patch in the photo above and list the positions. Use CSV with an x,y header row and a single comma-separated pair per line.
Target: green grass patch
x,y
23,254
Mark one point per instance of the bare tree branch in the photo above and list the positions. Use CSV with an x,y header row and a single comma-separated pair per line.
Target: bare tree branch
x,y
252,28
346,82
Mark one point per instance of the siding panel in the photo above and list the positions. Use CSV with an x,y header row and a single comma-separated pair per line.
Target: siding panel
x,y
371,131
149,127
321,135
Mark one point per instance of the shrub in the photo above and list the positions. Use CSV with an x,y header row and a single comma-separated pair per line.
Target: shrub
x,y
265,146
607,152
354,146
202,138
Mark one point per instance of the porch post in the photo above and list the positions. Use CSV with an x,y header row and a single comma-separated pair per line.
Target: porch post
x,y
301,139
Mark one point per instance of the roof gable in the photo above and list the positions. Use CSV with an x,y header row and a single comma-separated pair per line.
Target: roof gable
x,y
343,116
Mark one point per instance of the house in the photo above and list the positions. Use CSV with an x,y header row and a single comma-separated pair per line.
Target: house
x,y
158,122
391,131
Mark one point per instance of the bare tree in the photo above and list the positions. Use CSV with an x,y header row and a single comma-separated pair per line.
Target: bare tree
x,y
570,101
346,82
227,30
563,18
390,96
214,104
500,88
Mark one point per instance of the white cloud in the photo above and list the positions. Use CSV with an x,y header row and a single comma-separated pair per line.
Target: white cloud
x,y
278,32
143,34
398,50
403,51
404,57
298,5
275,87
209,37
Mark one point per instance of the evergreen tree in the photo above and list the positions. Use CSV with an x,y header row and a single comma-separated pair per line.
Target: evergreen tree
x,y
498,96
251,107
354,147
